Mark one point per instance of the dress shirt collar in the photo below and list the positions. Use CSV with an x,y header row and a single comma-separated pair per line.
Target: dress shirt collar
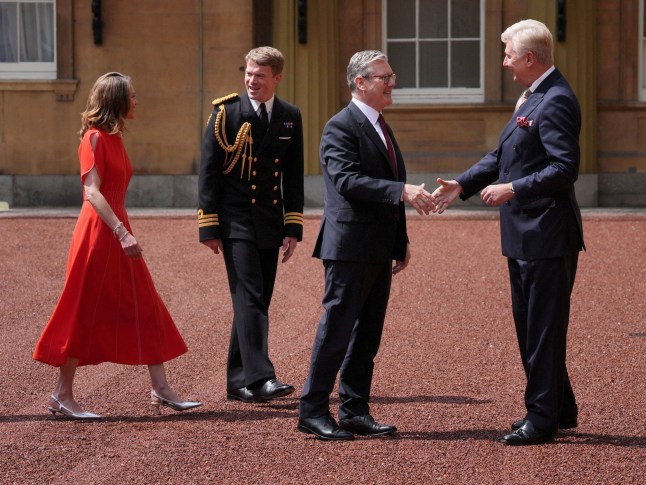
x,y
370,113
536,83
269,105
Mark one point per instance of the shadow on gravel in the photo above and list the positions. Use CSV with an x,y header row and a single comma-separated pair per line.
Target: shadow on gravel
x,y
423,399
195,416
601,439
458,435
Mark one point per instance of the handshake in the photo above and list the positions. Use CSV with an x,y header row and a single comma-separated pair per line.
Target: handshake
x,y
445,194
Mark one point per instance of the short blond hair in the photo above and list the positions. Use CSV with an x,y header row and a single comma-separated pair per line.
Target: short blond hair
x,y
531,36
267,56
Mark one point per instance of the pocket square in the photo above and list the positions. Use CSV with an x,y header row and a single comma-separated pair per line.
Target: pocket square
x,y
284,137
523,121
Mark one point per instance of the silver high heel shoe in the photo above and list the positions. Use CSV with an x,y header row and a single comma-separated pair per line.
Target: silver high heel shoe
x,y
157,400
58,407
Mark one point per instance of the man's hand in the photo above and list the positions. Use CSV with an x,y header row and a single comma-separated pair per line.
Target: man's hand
x,y
494,195
445,194
401,265
214,245
289,246
419,198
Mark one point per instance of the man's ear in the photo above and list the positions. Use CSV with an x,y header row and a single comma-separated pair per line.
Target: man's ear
x,y
358,82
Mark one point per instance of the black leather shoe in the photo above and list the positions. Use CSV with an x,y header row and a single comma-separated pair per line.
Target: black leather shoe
x,y
271,389
563,424
324,428
366,425
243,394
527,434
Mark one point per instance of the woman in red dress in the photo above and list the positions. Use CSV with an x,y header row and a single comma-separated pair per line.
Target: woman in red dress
x,y
109,310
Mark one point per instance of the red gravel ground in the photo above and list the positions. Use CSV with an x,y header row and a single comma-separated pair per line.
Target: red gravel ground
x,y
448,373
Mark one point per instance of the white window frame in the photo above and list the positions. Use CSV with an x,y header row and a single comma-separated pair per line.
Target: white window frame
x,y
436,95
31,70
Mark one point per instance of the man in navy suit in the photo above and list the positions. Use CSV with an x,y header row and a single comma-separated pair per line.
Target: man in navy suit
x,y
362,231
536,164
250,204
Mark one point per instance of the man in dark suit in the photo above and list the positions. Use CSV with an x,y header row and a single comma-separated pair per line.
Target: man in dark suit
x,y
536,164
362,231
250,204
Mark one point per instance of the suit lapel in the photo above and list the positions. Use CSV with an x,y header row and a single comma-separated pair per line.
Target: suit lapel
x,y
372,134
530,105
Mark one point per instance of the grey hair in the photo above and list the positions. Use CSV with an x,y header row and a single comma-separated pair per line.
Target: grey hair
x,y
531,36
361,65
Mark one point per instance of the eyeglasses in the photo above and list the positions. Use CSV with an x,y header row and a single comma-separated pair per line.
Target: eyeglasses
x,y
386,78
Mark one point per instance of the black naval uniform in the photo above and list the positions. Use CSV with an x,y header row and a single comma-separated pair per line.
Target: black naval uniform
x,y
251,197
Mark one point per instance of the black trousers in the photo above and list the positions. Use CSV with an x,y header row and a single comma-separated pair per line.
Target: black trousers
x,y
347,337
541,292
252,273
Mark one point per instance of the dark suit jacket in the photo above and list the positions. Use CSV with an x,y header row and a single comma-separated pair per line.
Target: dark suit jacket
x,y
261,199
540,154
364,220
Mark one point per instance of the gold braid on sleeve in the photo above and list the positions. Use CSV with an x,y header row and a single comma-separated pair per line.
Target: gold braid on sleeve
x,y
242,147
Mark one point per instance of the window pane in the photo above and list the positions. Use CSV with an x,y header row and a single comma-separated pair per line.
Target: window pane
x,y
401,57
37,32
433,59
465,64
433,18
8,33
465,18
401,19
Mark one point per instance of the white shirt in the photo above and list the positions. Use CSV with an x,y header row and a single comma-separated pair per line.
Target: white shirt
x,y
373,116
269,106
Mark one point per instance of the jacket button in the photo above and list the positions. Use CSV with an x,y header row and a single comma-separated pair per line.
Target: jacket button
x,y
275,187
253,173
253,187
274,202
255,159
253,201
276,161
275,174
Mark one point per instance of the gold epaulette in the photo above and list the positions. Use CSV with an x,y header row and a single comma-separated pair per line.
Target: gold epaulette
x,y
207,220
294,218
224,99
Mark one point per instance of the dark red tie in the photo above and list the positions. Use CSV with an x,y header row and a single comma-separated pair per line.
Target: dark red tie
x,y
389,143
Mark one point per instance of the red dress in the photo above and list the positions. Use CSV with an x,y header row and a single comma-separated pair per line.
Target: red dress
x,y
109,310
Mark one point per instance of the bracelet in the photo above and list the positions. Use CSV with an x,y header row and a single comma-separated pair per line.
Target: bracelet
x,y
123,237
116,228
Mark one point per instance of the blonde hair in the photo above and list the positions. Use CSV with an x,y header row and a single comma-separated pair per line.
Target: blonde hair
x,y
107,104
267,56
531,36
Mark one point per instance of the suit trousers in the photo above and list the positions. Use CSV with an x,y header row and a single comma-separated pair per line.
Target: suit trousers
x,y
251,272
347,338
541,292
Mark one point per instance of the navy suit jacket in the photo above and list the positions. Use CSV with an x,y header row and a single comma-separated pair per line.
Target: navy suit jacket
x,y
364,219
540,154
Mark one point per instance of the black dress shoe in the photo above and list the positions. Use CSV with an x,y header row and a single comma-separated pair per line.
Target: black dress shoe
x,y
271,389
324,428
563,424
366,425
243,394
527,434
